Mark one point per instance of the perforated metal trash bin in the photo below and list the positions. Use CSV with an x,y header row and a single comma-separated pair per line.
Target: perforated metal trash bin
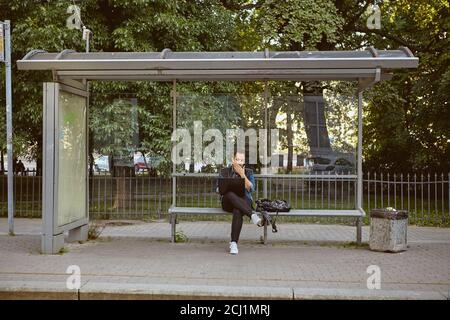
x,y
388,230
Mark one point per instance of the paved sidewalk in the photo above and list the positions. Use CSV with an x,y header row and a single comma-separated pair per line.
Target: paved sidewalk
x,y
301,261
220,231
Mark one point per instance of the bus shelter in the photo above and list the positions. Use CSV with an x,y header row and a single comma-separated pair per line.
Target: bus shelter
x,y
66,109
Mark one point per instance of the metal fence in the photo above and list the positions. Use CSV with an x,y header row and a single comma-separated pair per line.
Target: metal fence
x,y
425,196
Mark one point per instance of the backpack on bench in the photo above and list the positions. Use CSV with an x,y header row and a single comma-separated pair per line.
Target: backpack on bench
x,y
265,205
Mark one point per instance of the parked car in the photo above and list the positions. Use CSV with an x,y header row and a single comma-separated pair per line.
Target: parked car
x,y
140,163
331,165
101,164
150,162
342,165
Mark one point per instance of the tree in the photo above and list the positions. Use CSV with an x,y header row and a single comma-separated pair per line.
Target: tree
x,y
298,26
407,118
407,114
117,26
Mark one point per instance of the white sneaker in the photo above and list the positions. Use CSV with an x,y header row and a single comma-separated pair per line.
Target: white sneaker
x,y
233,248
257,220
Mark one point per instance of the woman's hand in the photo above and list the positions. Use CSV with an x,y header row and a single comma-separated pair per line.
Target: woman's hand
x,y
238,169
241,172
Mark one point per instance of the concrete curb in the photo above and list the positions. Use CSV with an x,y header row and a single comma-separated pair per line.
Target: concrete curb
x,y
97,290
36,290
365,294
16,290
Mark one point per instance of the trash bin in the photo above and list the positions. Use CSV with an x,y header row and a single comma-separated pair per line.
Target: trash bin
x,y
388,230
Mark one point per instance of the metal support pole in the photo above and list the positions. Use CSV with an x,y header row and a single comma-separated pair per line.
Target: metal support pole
x,y
267,145
266,98
174,168
86,36
359,171
9,127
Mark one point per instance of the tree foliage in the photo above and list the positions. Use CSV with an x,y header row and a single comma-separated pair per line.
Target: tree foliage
x,y
406,119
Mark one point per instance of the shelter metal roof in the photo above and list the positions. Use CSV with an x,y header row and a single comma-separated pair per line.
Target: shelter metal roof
x,y
231,66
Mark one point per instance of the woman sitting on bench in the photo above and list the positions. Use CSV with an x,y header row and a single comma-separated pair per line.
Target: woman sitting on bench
x,y
239,205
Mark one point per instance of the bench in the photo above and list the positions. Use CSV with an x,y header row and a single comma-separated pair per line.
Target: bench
x,y
174,211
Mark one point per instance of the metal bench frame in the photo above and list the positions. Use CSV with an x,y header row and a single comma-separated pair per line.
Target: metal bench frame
x,y
174,211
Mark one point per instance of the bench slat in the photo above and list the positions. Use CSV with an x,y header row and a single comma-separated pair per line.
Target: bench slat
x,y
194,210
302,212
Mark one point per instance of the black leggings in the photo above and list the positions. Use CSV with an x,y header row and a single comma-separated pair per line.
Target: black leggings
x,y
239,206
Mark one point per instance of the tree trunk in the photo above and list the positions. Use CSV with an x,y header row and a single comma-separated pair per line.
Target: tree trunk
x,y
125,187
290,140
314,88
39,166
39,158
2,163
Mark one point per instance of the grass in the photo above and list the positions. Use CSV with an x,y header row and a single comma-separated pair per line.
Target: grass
x,y
180,237
95,229
355,245
63,250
